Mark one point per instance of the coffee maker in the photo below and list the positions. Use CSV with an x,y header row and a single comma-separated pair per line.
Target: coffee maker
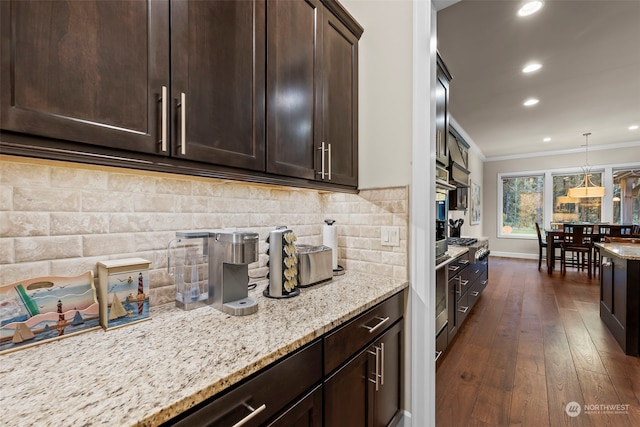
x,y
230,253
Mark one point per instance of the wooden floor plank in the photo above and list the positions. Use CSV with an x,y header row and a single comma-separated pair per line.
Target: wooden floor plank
x,y
533,344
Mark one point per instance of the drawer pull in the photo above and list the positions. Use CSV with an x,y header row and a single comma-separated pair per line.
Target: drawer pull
x,y
376,374
454,268
484,282
464,282
253,413
464,261
463,309
475,293
438,354
381,322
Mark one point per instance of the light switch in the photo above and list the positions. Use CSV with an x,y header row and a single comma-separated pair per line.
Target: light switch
x,y
390,236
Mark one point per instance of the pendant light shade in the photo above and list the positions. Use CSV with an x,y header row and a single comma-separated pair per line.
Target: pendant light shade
x,y
586,187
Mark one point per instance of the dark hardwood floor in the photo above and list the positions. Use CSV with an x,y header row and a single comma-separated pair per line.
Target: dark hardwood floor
x,y
532,344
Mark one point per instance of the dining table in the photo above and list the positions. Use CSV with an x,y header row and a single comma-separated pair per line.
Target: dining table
x,y
554,237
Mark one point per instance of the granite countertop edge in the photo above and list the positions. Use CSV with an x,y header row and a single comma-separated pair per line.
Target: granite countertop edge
x,y
628,251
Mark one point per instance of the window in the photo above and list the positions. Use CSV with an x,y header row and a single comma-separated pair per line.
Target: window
x,y
626,196
522,205
568,209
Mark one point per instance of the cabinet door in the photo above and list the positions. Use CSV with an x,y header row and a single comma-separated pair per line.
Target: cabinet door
x,y
307,412
340,102
86,71
347,392
387,399
293,84
218,81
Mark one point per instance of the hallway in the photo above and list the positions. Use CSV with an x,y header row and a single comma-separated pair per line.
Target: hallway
x,y
532,344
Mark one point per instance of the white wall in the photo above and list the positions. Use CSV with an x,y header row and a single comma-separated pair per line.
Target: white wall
x,y
385,91
396,129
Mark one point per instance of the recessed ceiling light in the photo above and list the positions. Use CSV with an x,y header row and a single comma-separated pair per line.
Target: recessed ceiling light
x,y
530,8
531,101
547,139
530,68
633,127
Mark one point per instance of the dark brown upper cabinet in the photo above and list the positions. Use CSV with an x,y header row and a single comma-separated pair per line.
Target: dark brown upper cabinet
x,y
312,93
262,90
85,71
340,103
294,34
218,82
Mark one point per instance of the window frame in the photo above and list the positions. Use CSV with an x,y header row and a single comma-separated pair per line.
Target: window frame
x,y
500,217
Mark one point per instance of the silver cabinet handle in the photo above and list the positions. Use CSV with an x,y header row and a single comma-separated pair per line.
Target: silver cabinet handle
x,y
381,363
329,155
484,282
372,329
253,413
324,148
438,354
321,173
463,309
475,293
454,268
163,129
376,374
464,261
464,282
183,123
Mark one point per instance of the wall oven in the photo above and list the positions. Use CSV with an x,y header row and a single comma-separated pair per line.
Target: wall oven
x,y
442,209
441,298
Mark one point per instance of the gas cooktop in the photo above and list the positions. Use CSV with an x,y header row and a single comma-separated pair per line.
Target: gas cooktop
x,y
461,241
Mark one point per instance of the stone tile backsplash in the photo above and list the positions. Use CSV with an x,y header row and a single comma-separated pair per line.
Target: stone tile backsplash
x,y
60,219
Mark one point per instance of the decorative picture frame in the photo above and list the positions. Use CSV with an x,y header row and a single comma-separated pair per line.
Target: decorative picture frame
x,y
123,292
476,208
43,309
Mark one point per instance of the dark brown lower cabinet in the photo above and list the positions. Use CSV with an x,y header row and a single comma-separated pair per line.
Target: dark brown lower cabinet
x,y
271,392
307,412
352,376
366,391
620,301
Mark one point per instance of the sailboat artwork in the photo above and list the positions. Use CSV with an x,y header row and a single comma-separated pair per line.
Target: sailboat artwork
x,y
42,309
123,291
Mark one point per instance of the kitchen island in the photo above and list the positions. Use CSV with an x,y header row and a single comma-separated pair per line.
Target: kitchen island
x,y
620,293
150,372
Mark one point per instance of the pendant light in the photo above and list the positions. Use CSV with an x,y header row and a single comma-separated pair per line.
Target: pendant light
x,y
586,187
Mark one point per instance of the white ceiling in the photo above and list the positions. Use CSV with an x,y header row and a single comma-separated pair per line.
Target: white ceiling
x,y
589,82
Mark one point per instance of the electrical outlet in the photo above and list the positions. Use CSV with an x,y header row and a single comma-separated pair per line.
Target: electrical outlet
x,y
390,236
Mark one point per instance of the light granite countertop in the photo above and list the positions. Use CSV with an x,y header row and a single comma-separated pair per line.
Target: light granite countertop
x,y
146,373
629,251
453,252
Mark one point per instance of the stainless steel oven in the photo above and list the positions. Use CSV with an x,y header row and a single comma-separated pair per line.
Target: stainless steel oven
x,y
441,298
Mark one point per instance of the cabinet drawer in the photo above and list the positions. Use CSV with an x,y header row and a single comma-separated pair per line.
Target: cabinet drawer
x,y
458,265
351,337
267,393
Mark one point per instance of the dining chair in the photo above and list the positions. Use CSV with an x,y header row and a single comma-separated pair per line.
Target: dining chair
x,y
578,239
541,244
